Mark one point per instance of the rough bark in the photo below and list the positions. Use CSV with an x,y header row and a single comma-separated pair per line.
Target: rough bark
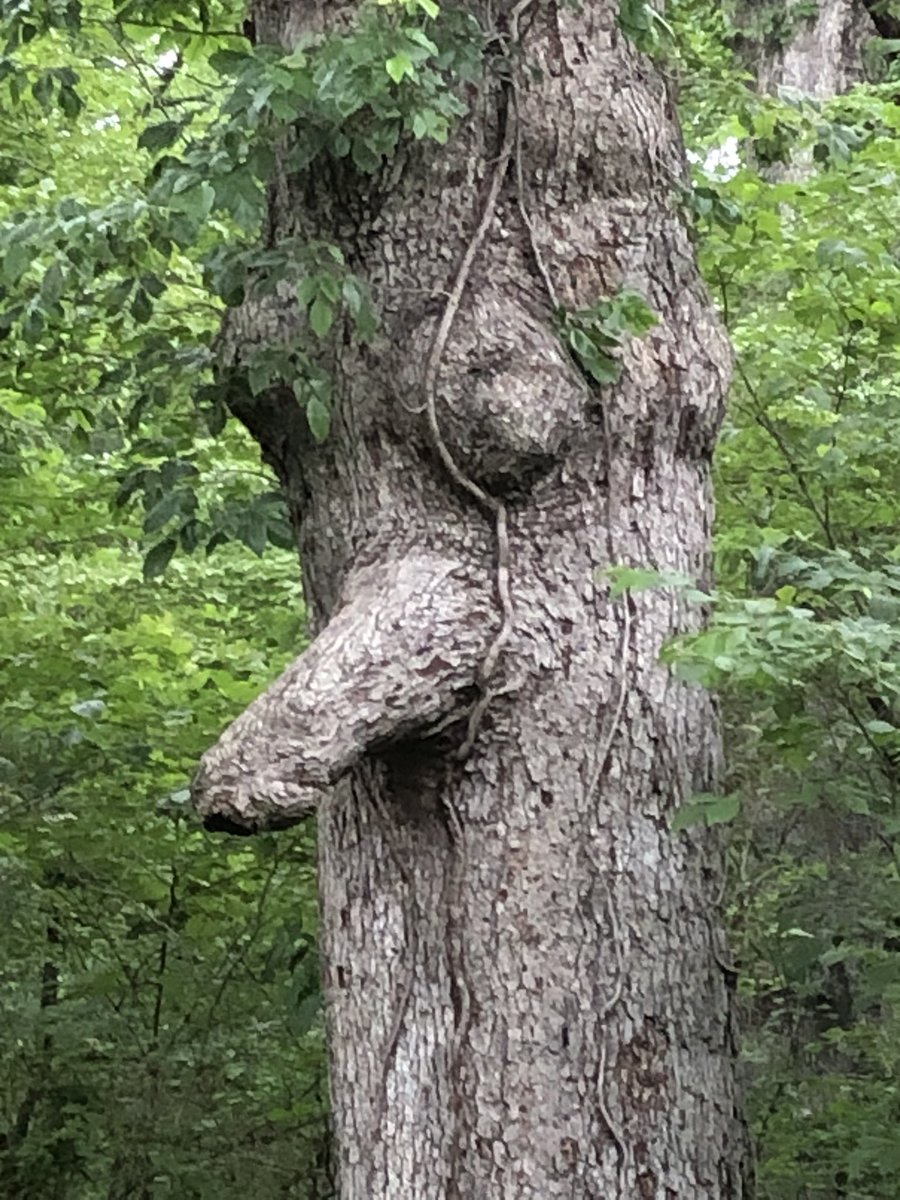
x,y
527,992
825,55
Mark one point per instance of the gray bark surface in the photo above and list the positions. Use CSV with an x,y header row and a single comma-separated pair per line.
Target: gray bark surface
x,y
527,991
825,57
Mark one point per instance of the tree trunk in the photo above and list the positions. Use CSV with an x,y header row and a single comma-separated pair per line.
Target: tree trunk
x,y
526,987
823,55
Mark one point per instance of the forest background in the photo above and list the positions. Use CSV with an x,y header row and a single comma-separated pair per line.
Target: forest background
x,y
158,986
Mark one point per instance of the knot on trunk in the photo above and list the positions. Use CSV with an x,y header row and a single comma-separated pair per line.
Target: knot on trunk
x,y
510,401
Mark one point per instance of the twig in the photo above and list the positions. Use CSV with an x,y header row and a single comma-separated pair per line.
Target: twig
x,y
615,1132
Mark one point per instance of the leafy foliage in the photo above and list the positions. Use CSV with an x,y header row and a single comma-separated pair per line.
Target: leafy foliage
x,y
158,995
594,335
804,639
125,277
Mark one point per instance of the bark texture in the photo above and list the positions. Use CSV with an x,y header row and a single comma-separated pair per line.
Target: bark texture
x,y
527,992
825,57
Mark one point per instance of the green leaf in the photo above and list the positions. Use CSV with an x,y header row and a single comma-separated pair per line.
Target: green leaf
x,y
52,285
141,307
318,417
260,374
196,201
321,316
639,579
603,368
352,296
582,344
706,809
42,90
400,66
280,534
637,315
118,295
70,102
307,290
421,38
17,261
301,1018
153,285
721,809
88,708
881,727
251,531
164,510
216,416
158,558
330,288
158,137
688,816
230,62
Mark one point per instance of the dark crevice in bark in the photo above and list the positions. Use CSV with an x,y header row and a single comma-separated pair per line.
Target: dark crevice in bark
x,y
275,420
885,21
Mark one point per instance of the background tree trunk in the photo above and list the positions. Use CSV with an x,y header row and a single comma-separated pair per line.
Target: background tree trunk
x,y
821,55
527,991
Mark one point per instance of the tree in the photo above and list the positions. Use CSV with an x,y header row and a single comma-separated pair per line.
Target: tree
x,y
818,48
526,985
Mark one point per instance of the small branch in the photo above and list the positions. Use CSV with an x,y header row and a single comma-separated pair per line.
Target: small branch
x,y
772,430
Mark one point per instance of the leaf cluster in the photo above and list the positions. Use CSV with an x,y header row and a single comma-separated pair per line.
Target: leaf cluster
x,y
595,334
